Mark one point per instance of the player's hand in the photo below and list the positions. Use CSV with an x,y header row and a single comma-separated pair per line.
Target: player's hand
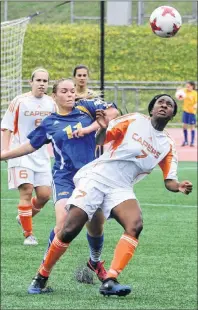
x,y
81,132
102,118
185,187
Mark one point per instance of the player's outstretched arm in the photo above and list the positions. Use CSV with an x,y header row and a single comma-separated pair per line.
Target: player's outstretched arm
x,y
5,139
81,132
108,115
184,187
24,149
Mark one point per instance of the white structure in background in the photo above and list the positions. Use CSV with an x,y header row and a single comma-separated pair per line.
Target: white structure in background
x,y
12,37
119,13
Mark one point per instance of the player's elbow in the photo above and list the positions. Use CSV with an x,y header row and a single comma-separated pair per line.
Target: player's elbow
x,y
112,113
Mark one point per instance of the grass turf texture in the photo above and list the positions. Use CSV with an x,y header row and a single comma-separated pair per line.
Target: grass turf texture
x,y
162,272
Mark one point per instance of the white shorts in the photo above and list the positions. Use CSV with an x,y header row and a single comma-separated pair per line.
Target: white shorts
x,y
21,175
89,195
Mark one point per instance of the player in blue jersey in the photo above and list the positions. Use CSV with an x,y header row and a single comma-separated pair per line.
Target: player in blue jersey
x,y
72,133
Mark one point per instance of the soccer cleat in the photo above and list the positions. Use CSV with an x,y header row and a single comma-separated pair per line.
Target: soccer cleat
x,y
184,143
111,286
38,285
99,270
30,240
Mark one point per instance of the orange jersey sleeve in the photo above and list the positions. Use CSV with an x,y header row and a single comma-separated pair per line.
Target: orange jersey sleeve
x,y
169,164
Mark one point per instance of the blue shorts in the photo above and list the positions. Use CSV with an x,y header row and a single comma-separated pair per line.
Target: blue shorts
x,y
62,185
188,118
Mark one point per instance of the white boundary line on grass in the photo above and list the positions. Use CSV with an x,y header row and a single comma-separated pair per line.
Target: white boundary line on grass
x,y
166,205
141,204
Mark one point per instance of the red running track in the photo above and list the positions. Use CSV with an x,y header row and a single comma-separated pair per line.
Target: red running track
x,y
185,153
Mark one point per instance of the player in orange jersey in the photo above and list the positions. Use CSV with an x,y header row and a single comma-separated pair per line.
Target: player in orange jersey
x,y
137,144
31,171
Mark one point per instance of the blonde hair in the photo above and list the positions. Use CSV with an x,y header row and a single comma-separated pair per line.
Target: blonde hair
x,y
39,70
55,86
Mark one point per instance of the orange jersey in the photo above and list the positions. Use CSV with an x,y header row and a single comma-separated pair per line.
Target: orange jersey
x,y
190,101
134,149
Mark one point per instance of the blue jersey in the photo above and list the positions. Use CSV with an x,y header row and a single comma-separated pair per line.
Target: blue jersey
x,y
70,153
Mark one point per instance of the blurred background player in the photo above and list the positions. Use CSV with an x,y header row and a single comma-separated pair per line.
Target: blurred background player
x,y
138,144
189,112
71,153
81,77
29,172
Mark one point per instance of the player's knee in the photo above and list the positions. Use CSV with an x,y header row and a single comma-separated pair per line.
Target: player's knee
x,y
25,191
69,232
43,199
134,228
67,235
95,230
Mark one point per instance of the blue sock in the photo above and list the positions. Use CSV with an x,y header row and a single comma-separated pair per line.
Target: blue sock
x,y
186,135
51,238
95,247
192,136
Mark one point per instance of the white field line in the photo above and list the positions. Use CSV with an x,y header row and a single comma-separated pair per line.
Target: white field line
x,y
141,203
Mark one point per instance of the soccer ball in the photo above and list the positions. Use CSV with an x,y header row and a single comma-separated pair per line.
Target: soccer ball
x,y
180,94
165,21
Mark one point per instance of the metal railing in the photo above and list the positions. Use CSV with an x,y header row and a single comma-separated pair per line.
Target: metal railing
x,y
129,96
140,15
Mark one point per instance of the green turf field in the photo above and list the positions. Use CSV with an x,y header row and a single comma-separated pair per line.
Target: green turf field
x,y
163,272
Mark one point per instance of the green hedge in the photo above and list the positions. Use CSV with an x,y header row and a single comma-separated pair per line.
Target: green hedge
x,y
132,52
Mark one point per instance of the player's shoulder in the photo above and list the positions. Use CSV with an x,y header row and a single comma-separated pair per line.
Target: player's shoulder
x,y
47,97
21,97
51,117
169,137
130,116
17,101
91,94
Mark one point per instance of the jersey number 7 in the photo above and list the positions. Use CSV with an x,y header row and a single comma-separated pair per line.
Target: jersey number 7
x,y
143,155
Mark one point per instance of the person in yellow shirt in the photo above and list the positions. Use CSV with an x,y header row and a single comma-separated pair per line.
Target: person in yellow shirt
x,y
189,112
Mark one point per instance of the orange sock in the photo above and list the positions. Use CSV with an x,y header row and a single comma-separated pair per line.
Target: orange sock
x,y
25,214
123,253
56,250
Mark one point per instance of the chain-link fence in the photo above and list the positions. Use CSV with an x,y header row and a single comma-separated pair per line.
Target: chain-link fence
x,y
132,96
79,11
